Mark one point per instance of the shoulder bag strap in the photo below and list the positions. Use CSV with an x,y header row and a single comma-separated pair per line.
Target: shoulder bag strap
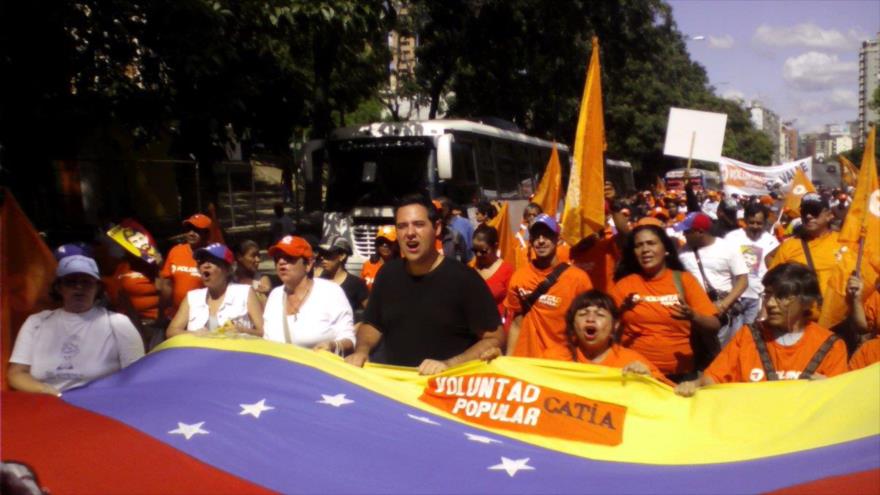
x,y
819,356
761,346
679,286
542,289
807,254
287,337
706,282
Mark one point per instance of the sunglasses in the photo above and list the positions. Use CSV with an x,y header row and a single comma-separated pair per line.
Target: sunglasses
x,y
79,282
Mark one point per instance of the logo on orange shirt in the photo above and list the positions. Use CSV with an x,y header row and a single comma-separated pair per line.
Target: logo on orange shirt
x,y
187,269
548,300
665,300
503,402
757,375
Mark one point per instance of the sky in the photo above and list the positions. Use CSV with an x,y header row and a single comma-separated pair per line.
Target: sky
x,y
800,58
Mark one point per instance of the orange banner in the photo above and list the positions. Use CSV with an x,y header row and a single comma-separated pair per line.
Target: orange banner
x,y
499,401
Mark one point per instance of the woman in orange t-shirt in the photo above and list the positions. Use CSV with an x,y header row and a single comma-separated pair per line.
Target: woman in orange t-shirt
x,y
592,325
386,249
787,333
660,308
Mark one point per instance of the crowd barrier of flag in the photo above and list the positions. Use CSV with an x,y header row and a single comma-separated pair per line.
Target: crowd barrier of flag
x,y
247,415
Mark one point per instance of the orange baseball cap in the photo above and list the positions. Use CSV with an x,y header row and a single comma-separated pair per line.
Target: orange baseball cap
x,y
766,200
292,245
387,232
198,221
650,221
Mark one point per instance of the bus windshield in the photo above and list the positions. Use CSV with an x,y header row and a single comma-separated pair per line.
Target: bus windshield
x,y
376,172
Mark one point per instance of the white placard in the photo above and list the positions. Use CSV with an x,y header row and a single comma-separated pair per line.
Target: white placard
x,y
706,129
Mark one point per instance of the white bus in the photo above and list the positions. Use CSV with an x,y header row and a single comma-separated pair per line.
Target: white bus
x,y
701,179
364,170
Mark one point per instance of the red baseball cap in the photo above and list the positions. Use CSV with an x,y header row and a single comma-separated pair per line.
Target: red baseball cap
x,y
198,221
292,245
694,221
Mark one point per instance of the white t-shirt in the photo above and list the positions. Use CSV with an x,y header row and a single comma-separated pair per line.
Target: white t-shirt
x,y
711,208
67,350
753,253
324,315
722,262
233,307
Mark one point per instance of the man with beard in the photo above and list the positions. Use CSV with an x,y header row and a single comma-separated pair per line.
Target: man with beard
x,y
180,274
429,311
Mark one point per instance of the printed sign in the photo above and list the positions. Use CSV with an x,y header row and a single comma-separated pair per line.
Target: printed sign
x,y
504,402
747,179
135,239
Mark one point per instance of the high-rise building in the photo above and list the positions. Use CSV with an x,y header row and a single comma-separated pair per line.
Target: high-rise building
x,y
869,80
766,121
788,146
401,101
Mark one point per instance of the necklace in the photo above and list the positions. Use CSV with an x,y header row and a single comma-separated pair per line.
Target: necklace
x,y
294,310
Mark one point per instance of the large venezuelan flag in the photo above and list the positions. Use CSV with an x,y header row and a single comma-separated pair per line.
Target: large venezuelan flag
x,y
211,415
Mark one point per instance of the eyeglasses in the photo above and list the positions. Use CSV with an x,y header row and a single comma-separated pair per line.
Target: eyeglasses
x,y
289,259
766,296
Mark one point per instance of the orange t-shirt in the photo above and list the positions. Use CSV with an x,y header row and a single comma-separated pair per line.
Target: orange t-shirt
x,y
542,333
649,327
825,251
866,355
599,263
620,356
369,271
739,361
140,290
183,271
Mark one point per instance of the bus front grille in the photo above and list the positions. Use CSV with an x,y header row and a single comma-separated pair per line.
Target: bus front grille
x,y
365,240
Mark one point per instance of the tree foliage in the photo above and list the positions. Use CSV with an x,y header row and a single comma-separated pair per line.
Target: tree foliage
x,y
526,62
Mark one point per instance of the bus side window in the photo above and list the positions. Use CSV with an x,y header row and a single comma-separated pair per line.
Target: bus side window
x,y
486,176
463,188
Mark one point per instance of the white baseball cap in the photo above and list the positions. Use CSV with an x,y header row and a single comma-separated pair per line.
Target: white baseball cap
x,y
77,263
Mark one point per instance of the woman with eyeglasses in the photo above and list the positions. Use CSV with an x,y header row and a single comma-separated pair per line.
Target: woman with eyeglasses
x,y
784,343
221,304
306,311
68,347
495,271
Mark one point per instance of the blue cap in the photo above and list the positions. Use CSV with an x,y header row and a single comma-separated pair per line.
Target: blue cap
x,y
545,219
215,250
71,249
694,220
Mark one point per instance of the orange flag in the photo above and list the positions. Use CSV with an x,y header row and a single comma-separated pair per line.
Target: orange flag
x,y
800,185
848,172
506,241
584,210
862,224
27,269
548,191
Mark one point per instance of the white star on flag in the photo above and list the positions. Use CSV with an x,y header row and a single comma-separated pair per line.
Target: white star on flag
x,y
255,409
512,466
423,419
480,438
337,400
189,430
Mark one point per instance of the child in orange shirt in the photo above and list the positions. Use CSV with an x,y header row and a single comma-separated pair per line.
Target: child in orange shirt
x,y
790,339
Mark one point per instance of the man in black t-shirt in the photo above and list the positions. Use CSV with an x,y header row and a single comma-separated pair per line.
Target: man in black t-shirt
x,y
430,311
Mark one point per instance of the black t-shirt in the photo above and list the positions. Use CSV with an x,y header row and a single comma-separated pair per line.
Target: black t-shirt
x,y
433,316
355,290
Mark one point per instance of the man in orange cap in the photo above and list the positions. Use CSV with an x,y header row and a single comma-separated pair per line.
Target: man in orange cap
x,y
386,250
180,273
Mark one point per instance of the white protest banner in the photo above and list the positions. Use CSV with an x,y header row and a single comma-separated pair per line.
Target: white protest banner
x,y
695,134
747,179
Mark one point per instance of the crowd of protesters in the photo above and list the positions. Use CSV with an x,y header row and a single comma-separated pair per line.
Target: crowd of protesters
x,y
690,287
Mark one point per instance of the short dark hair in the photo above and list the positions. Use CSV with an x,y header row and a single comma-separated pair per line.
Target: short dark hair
x,y
534,206
583,300
629,264
487,232
793,279
419,199
753,209
486,208
243,247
